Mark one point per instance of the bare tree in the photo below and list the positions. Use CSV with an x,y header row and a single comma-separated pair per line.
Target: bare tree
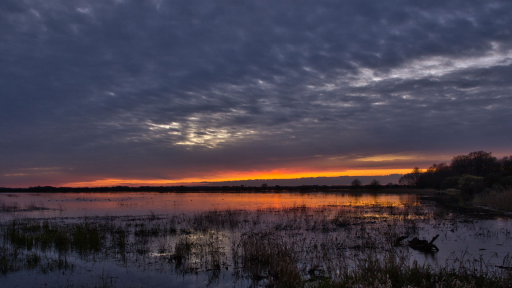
x,y
375,184
356,184
411,179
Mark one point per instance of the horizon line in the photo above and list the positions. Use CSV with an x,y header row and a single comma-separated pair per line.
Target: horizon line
x,y
169,183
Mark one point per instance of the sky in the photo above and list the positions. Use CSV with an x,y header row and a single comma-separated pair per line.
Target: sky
x,y
156,92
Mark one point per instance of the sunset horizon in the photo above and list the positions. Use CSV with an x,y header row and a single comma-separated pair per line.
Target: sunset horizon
x,y
162,92
326,172
263,143
274,175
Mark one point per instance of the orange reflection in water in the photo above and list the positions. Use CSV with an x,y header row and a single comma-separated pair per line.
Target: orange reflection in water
x,y
144,203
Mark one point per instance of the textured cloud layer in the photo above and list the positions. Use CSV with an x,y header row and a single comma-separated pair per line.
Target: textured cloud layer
x,y
179,89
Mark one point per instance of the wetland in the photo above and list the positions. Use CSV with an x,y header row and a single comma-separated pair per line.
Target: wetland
x,y
250,240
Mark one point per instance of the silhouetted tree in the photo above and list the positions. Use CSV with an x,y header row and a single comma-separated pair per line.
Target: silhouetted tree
x,y
356,184
411,179
506,164
374,185
495,173
503,177
478,163
450,182
434,176
469,184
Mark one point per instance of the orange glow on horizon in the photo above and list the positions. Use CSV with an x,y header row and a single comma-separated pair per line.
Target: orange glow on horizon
x,y
236,176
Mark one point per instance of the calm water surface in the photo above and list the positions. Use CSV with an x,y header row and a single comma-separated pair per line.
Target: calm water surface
x,y
462,240
123,204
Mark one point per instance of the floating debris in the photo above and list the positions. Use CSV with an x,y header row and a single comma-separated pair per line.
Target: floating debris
x,y
424,245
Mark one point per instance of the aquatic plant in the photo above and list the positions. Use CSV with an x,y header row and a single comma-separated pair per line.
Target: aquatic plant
x,y
296,246
498,199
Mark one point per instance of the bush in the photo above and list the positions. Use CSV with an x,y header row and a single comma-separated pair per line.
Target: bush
x,y
356,184
374,185
505,182
450,182
496,199
471,184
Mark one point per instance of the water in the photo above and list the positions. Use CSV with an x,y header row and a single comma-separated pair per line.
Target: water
x,y
123,204
341,227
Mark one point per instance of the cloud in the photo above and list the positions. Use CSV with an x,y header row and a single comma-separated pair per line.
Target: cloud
x,y
172,88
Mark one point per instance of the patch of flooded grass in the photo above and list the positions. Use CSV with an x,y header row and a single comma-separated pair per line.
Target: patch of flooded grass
x,y
296,246
391,272
500,200
15,207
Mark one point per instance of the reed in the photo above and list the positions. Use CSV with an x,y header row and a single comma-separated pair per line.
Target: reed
x,y
498,199
297,246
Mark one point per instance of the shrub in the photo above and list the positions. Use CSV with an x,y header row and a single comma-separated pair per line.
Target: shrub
x,y
356,184
469,184
505,182
374,185
496,199
450,182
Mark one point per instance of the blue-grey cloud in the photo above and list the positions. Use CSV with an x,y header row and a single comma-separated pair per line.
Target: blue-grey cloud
x,y
162,89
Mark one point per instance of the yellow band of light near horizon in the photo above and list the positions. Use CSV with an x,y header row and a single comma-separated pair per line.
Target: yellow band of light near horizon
x,y
236,176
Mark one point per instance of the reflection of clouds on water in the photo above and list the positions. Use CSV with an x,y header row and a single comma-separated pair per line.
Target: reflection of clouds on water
x,y
91,204
326,234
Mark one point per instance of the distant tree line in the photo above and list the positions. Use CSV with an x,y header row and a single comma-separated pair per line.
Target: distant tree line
x,y
356,184
470,173
373,185
184,189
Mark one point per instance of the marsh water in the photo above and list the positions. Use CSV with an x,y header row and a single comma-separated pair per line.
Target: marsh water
x,y
145,203
205,239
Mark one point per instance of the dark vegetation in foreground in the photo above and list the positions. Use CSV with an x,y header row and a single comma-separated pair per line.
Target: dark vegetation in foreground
x,y
299,246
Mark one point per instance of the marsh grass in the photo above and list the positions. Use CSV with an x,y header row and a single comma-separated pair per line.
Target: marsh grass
x,y
266,256
391,274
297,246
13,207
500,200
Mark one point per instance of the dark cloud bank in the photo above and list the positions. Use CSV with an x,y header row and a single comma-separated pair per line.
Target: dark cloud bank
x,y
171,89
